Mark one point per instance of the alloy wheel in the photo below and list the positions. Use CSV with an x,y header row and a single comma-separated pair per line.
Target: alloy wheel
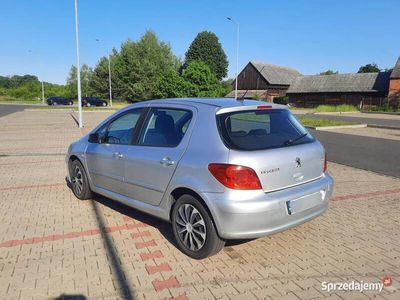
x,y
191,227
77,180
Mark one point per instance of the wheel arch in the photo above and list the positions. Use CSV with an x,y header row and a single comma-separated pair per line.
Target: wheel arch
x,y
180,191
72,158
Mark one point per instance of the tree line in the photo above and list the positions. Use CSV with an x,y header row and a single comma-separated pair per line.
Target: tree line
x,y
142,69
28,87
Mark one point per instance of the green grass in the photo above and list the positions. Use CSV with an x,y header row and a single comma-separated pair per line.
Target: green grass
x,y
322,122
382,109
336,108
12,100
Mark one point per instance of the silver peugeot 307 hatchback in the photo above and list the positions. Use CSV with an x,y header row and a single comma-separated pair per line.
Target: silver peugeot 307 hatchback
x,y
217,169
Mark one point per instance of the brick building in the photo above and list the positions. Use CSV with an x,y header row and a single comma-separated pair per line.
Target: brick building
x,y
266,81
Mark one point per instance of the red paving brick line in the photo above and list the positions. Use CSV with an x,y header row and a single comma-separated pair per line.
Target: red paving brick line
x,y
30,149
32,186
70,235
366,195
32,162
140,234
151,255
141,245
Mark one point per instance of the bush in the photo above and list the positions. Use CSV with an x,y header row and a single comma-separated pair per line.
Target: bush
x,y
281,100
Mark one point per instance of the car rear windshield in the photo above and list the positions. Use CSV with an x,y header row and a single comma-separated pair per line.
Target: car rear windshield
x,y
261,129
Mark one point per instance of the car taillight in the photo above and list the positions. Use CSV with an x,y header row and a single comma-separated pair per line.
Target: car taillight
x,y
235,177
325,164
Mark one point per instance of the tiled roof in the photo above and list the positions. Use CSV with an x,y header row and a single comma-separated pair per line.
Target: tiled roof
x,y
276,74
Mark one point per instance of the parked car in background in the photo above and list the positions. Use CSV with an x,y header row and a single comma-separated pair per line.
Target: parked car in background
x,y
59,101
93,101
217,169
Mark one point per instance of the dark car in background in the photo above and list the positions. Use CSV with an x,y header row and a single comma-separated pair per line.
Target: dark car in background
x,y
59,101
93,101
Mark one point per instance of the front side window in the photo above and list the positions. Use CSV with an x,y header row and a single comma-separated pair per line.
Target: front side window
x,y
261,129
121,130
165,127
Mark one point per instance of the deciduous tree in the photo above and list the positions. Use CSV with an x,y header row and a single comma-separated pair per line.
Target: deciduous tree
x,y
138,65
207,48
85,74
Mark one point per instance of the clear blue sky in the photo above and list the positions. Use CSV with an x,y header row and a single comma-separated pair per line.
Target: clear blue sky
x,y
311,36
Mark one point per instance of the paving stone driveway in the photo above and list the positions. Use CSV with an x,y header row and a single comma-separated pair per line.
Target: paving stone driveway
x,y
53,245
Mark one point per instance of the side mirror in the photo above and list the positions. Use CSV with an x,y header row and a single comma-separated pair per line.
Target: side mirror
x,y
94,138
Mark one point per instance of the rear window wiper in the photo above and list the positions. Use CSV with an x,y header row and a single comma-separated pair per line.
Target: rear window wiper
x,y
290,141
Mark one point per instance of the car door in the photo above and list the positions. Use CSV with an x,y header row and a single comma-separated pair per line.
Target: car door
x,y
105,159
151,162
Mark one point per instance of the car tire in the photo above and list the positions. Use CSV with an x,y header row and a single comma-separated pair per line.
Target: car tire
x,y
55,103
79,181
104,104
70,103
88,104
198,241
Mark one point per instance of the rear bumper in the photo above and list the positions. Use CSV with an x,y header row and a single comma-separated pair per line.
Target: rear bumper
x,y
252,214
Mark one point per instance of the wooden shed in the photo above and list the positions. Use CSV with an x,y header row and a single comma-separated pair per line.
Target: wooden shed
x,y
368,88
264,81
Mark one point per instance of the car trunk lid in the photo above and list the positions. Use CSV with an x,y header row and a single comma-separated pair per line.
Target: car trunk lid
x,y
284,167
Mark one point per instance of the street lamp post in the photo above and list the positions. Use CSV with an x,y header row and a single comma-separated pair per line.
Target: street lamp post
x,y
78,67
109,75
237,55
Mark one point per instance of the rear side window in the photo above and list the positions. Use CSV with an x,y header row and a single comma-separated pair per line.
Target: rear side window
x,y
261,129
165,127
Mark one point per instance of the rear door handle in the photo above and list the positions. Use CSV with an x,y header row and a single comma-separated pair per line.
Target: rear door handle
x,y
167,161
118,155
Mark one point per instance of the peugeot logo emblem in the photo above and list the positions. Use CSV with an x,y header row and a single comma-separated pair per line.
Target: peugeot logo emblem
x,y
298,162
